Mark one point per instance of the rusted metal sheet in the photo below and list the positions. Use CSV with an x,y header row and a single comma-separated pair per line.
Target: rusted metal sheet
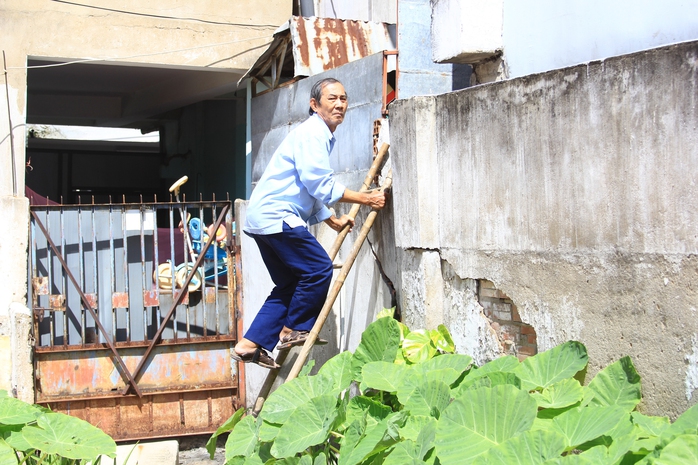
x,y
57,302
318,45
321,44
92,300
40,285
151,298
119,300
156,416
91,373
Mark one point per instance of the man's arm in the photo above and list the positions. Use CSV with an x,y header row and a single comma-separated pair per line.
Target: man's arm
x,y
374,198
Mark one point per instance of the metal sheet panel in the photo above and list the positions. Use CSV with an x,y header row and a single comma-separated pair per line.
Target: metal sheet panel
x,y
92,373
321,44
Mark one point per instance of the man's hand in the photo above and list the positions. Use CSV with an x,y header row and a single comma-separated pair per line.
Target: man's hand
x,y
339,223
376,199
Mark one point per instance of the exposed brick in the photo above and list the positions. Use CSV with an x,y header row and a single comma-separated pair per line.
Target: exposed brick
x,y
515,314
527,329
527,350
485,284
532,339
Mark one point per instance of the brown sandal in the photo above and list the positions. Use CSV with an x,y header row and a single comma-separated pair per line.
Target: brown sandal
x,y
259,357
297,338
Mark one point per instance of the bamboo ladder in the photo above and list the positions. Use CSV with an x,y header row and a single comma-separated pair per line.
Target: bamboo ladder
x,y
336,286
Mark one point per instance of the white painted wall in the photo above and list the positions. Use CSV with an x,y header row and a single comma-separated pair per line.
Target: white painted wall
x,y
540,35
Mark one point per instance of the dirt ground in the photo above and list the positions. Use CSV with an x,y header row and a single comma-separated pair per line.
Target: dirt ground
x,y
192,451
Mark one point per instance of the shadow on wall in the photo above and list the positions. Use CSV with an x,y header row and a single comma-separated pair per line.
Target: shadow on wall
x,y
516,337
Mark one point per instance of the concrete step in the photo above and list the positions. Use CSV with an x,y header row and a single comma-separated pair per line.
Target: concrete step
x,y
147,453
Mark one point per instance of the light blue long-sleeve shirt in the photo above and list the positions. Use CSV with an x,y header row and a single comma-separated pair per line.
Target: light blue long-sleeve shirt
x,y
298,183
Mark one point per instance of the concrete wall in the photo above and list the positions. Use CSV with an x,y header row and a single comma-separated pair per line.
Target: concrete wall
x,y
573,192
274,114
538,36
135,31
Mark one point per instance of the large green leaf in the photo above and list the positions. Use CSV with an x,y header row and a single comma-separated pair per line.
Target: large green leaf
x,y
364,409
480,419
682,450
8,456
379,342
224,428
617,384
14,438
384,376
551,366
15,412
338,369
442,339
447,368
430,398
494,378
404,453
649,426
68,437
580,425
267,431
687,422
559,395
417,346
528,448
571,460
243,438
415,424
307,426
359,445
289,396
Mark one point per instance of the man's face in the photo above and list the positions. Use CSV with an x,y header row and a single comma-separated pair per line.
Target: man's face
x,y
332,105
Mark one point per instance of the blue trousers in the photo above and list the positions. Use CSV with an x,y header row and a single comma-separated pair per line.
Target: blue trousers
x,y
302,273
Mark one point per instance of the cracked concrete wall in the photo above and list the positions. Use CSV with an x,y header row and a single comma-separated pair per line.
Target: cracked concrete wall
x,y
573,191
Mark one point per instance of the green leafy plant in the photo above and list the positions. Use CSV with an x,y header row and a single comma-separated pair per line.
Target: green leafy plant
x,y
33,435
405,398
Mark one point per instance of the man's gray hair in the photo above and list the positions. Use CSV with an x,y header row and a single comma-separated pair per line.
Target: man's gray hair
x,y
316,90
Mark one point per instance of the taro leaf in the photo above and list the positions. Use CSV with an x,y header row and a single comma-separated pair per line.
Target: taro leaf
x,y
617,384
415,424
362,408
321,459
386,312
528,448
13,436
4,393
571,460
505,364
286,461
425,439
224,428
243,439
682,450
404,453
687,422
492,379
442,339
8,456
417,346
15,412
408,384
362,444
379,342
430,398
584,424
338,368
307,368
307,426
559,395
253,459
480,419
268,431
68,437
384,376
289,396
649,426
551,366
447,368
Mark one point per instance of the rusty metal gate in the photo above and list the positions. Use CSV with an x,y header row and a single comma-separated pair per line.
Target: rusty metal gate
x,y
134,320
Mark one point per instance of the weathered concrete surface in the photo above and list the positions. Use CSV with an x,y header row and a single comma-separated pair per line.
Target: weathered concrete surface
x,y
477,26
574,192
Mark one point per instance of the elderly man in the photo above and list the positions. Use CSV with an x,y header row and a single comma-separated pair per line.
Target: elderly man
x,y
296,189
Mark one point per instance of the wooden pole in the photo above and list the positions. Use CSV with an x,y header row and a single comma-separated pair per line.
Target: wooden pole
x,y
281,356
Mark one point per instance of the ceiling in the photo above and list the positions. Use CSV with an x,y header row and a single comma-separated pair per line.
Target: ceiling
x,y
118,95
